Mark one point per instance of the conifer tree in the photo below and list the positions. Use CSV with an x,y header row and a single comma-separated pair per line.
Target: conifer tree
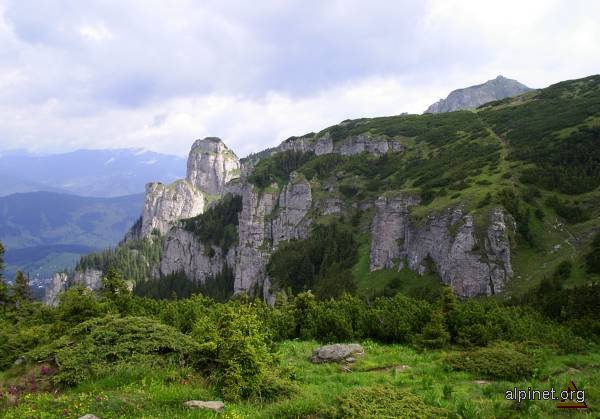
x,y
3,286
21,292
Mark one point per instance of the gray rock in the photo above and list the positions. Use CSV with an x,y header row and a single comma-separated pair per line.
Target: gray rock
x,y
183,252
89,416
474,96
217,406
90,279
211,165
336,353
164,204
471,265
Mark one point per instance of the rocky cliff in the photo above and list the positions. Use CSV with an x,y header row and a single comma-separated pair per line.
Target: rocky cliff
x,y
210,166
356,144
474,96
90,279
473,260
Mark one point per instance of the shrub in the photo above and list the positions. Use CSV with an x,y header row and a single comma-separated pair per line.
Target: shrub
x,y
234,348
385,401
95,344
500,361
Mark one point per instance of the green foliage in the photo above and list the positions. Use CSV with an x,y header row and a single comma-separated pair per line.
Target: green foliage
x,y
384,401
498,361
233,339
571,213
20,290
97,343
3,286
217,226
277,168
133,259
433,128
218,287
435,334
397,319
592,259
569,165
321,262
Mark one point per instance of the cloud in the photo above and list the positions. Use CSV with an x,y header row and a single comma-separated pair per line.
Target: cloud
x,y
158,75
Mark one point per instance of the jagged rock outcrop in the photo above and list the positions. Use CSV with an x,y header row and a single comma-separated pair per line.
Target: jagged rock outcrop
x,y
374,144
474,96
268,218
289,219
211,165
472,262
90,279
164,204
183,252
254,237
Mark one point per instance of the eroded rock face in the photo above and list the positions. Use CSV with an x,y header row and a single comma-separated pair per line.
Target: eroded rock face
x,y
211,165
90,279
254,237
164,204
352,145
471,263
294,202
183,252
268,218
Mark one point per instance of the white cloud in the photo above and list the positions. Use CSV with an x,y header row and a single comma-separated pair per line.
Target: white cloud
x,y
97,32
158,75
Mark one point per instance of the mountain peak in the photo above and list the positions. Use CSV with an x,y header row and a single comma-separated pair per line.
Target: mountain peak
x,y
474,96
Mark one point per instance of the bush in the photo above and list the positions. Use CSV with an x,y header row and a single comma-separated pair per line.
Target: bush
x,y
385,401
95,344
234,348
498,361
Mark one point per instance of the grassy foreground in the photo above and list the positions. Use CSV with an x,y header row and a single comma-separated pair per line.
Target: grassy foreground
x,y
321,390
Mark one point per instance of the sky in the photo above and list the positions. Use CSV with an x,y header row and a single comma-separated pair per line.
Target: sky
x,y
159,74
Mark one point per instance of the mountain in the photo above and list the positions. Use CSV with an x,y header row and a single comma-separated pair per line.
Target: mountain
x,y
474,96
99,173
45,232
491,201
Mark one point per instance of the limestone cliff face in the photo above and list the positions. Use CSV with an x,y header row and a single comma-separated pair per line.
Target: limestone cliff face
x,y
471,263
267,219
352,145
211,165
164,204
254,237
90,279
183,252
289,219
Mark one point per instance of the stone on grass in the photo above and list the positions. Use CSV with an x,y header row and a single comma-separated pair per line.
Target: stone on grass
x,y
217,406
89,416
337,353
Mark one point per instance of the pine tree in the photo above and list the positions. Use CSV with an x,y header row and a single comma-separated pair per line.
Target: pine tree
x,y
3,286
435,334
449,304
21,292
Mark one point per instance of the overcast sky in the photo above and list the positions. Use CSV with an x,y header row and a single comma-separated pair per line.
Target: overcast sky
x,y
159,74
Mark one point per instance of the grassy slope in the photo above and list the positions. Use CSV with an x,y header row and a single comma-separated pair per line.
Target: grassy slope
x,y
158,393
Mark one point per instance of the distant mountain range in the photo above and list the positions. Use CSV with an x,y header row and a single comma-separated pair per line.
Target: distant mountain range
x,y
98,173
44,232
474,96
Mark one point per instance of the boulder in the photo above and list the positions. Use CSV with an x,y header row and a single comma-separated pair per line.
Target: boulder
x,y
337,353
217,406
89,416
